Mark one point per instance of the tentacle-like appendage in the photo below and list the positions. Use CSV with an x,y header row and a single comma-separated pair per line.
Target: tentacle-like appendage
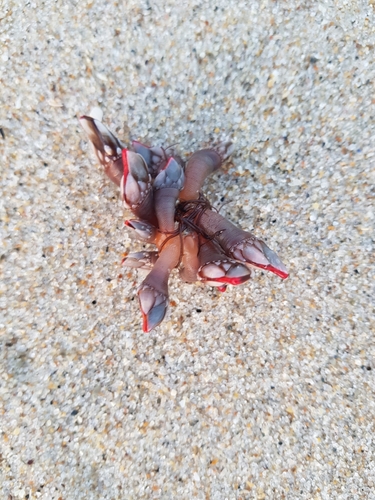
x,y
140,260
200,165
136,186
241,245
106,146
167,186
153,292
190,260
143,230
216,268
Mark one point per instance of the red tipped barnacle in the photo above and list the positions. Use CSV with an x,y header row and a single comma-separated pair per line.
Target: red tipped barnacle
x,y
216,268
153,305
256,253
241,245
106,146
142,230
171,212
136,186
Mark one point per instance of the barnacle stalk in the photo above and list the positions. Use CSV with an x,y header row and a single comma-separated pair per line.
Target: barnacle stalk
x,y
167,186
200,165
241,245
153,292
190,259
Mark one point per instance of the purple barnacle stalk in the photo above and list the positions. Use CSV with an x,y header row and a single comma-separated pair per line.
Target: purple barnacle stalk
x,y
167,186
165,196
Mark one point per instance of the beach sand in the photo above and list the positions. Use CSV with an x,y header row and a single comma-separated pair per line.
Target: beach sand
x,y
263,392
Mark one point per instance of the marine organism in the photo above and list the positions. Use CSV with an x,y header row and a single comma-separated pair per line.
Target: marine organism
x,y
170,211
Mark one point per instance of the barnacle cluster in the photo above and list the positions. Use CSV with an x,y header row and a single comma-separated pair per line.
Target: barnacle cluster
x,y
171,212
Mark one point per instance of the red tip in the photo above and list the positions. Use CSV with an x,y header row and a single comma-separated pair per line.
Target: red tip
x,y
279,273
169,161
125,163
146,328
273,270
232,281
222,288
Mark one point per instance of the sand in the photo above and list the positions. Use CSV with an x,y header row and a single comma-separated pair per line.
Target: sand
x,y
264,392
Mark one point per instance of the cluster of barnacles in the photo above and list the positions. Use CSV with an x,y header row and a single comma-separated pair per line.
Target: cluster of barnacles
x,y
172,213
